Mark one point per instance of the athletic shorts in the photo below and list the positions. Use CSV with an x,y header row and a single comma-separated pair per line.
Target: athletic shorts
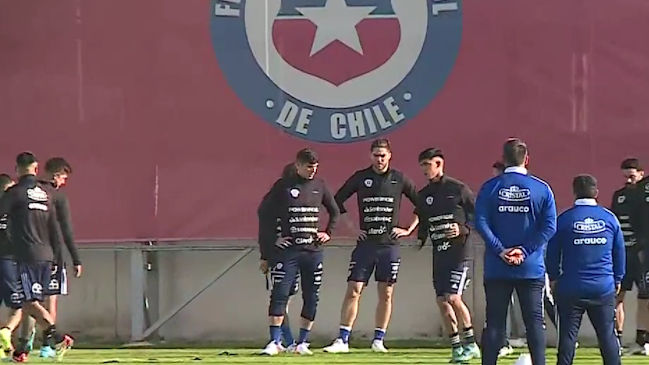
x,y
368,258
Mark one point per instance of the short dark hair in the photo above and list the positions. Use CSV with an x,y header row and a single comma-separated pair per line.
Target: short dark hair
x,y
306,156
381,143
289,171
57,165
631,163
499,166
25,159
514,152
584,186
5,180
430,153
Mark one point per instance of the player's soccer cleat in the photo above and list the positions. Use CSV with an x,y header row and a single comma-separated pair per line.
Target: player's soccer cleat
x,y
378,346
291,348
5,340
19,357
271,349
636,349
64,346
303,349
338,347
458,357
47,352
472,350
505,351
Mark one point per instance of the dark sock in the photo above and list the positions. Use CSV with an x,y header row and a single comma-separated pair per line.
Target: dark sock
x,y
275,334
286,332
455,340
22,345
379,334
344,333
640,337
304,335
468,336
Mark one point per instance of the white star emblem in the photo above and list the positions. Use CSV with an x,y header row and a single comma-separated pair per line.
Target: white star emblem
x,y
336,21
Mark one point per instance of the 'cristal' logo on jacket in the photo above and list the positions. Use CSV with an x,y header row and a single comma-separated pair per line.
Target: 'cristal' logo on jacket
x,y
589,226
514,194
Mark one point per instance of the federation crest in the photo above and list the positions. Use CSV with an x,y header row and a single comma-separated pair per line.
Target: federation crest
x,y
336,70
429,200
368,183
294,193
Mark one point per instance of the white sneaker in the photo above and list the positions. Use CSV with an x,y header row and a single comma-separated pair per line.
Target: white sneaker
x,y
291,348
505,351
636,349
518,342
377,346
272,349
303,349
338,347
524,359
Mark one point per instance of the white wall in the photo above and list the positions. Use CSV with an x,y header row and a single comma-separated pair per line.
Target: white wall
x,y
235,307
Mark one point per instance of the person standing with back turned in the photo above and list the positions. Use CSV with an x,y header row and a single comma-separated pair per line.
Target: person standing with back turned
x,y
591,237
516,217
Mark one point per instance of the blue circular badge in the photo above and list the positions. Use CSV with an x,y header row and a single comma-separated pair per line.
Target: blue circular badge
x,y
336,71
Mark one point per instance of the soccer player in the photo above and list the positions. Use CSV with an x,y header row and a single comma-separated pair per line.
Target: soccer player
x,y
627,206
378,190
516,217
643,271
586,262
8,267
57,171
297,200
36,236
269,230
445,207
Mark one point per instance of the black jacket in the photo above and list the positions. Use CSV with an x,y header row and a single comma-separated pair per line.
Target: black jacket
x,y
379,200
34,231
296,203
440,204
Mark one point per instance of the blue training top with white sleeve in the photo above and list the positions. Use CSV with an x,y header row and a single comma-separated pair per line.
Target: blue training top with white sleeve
x,y
515,209
587,253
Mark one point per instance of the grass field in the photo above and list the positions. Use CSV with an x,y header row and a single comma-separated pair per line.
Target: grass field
x,y
249,356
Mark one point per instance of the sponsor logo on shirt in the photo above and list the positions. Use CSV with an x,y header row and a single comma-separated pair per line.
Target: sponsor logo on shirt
x,y
514,194
589,226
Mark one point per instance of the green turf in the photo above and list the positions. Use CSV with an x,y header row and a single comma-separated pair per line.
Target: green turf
x,y
249,356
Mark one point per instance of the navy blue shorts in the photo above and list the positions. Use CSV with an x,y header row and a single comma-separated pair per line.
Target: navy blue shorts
x,y
58,284
383,260
10,289
450,278
276,276
636,273
35,276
